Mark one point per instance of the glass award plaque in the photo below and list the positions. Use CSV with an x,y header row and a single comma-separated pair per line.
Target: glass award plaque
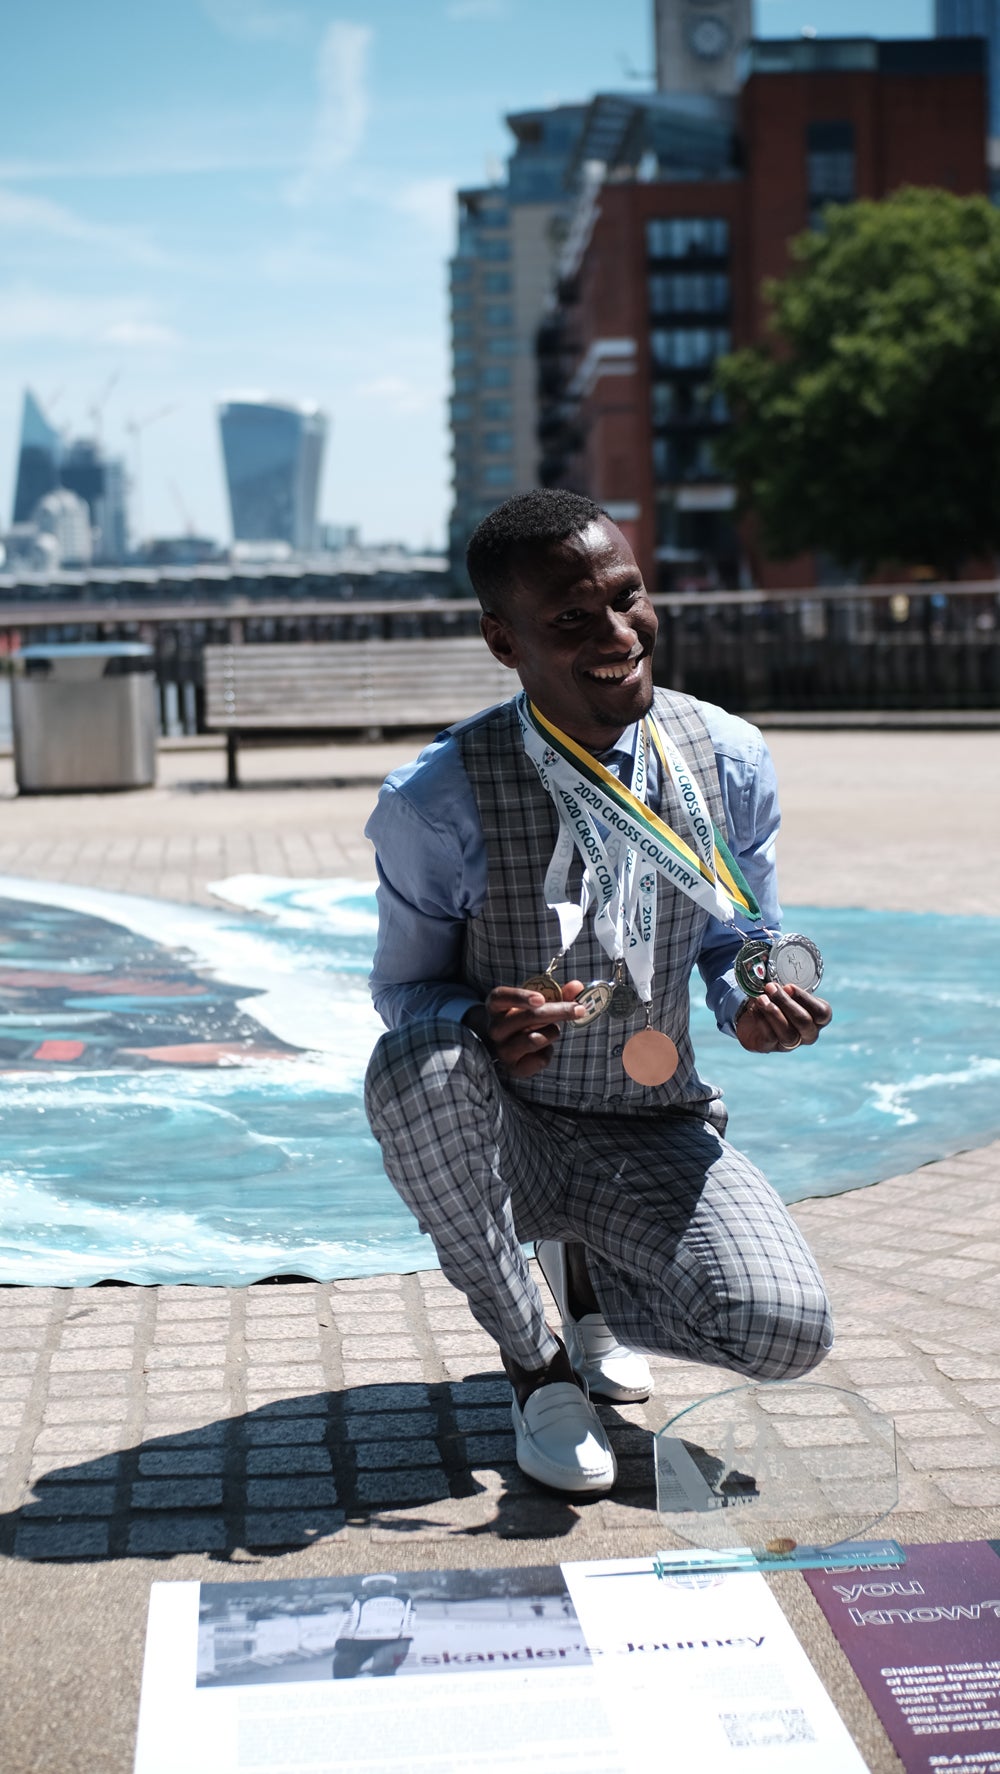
x,y
777,1475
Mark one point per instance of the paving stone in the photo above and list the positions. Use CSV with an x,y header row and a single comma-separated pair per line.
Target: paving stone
x,y
52,1469
803,1432
281,1331
15,1386
302,1492
11,1412
390,1425
97,1335
402,1345
70,1499
370,1286
204,1492
292,1527
187,1380
945,1455
77,1385
923,1423
72,1361
13,1317
198,1434
470,1343
177,1533
181,1462
969,1367
904,1398
297,1404
285,1431
20,1336
979,1490
401,1488
200,1407
75,1539
484,1420
85,1410
272,1461
358,1374
200,1355
172,1310
212,1332
486,1450
981,1392
306,1374
18,1361
884,1373
387,1398
373,1456
78,1438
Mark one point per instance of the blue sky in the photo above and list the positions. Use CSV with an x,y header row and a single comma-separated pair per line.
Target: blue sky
x,y
223,195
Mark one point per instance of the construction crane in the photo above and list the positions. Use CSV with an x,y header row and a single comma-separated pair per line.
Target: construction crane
x,y
135,429
182,511
95,411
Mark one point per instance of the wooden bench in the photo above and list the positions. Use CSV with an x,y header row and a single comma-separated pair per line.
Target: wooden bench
x,y
327,686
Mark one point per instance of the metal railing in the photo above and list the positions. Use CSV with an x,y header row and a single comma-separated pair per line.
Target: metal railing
x,y
897,647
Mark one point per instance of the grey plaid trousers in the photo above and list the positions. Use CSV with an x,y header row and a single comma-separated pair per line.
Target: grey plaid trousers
x,y
690,1251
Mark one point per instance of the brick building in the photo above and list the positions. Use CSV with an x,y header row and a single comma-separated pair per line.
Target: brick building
x,y
663,268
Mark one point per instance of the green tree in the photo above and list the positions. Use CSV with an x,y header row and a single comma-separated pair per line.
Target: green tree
x,y
868,422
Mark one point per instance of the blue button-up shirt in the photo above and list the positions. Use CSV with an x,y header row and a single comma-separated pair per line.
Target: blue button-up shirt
x,y
432,868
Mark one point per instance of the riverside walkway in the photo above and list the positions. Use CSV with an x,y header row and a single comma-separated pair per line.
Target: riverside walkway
x,y
308,1428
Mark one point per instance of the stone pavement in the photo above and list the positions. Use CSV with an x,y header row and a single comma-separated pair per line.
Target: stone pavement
x,y
303,1428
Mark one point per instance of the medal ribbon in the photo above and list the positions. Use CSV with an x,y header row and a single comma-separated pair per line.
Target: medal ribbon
x,y
586,790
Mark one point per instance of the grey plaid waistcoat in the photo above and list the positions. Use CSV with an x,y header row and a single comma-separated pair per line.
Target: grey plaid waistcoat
x,y
515,934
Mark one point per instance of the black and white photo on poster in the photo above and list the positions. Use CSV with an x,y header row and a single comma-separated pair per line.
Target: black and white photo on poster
x,y
387,1624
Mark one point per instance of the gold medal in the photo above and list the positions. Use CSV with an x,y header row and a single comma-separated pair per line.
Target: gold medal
x,y
650,1057
544,984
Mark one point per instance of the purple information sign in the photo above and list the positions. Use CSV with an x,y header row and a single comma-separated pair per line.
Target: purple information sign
x,y
924,1639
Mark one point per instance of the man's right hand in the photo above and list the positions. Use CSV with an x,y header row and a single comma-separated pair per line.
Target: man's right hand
x,y
521,1028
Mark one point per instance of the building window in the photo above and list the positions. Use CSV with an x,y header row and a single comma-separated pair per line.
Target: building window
x,y
498,474
831,173
462,329
502,346
664,402
497,283
462,409
496,375
465,384
689,292
495,247
498,443
461,270
461,301
688,348
464,356
496,410
497,314
688,237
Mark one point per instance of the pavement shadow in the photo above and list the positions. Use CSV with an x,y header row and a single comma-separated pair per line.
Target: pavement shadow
x,y
409,1458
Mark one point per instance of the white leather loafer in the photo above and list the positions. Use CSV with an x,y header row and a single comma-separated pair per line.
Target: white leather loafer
x,y
560,1439
610,1370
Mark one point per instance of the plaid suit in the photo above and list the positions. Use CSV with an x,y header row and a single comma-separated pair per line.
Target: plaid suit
x,y
690,1251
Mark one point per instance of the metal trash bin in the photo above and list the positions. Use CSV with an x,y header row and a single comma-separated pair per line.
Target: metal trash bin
x,y
85,716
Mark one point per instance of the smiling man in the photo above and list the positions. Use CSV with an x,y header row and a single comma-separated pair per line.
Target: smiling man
x,y
550,873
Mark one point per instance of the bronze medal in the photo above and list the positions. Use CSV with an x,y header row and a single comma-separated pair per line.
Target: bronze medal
x,y
650,1057
544,984
594,1000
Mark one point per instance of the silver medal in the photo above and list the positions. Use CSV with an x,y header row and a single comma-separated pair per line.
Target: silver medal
x,y
594,1000
795,960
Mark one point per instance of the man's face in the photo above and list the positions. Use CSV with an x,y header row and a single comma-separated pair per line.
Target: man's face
x,y
579,630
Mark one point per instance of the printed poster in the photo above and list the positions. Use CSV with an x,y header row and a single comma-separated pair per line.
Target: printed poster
x,y
603,1667
924,1639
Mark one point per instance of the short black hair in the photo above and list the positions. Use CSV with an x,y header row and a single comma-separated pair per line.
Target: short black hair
x,y
520,530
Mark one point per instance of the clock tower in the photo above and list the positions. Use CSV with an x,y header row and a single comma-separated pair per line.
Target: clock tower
x,y
698,44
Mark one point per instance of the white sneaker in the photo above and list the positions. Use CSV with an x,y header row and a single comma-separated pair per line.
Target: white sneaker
x,y
609,1368
560,1440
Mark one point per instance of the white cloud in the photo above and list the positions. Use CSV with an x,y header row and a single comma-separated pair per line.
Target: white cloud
x,y
28,313
398,394
258,23
342,110
476,9
20,214
431,203
139,332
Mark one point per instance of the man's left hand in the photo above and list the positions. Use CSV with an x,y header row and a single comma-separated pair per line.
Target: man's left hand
x,y
781,1019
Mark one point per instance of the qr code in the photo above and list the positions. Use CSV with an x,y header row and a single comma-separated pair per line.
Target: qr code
x,y
758,1730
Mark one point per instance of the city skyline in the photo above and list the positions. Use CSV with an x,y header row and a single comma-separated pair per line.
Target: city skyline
x,y
253,193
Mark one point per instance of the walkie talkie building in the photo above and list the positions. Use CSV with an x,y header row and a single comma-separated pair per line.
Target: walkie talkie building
x,y
273,452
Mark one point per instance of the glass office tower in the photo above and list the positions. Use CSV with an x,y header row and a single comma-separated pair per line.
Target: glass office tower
x,y
38,459
273,452
975,18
